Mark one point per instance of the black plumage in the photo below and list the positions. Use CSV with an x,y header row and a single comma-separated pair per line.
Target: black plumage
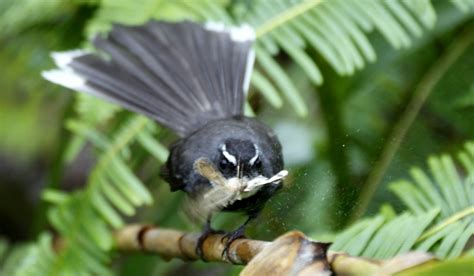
x,y
191,79
181,75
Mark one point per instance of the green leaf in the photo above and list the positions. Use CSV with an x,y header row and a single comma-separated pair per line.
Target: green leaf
x,y
54,196
411,196
347,236
420,224
385,239
262,84
454,267
154,147
359,242
462,240
97,229
432,240
432,222
122,172
431,194
450,239
276,73
107,211
88,132
116,198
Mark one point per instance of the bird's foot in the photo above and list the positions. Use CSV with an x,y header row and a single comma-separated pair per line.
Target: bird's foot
x,y
230,237
204,235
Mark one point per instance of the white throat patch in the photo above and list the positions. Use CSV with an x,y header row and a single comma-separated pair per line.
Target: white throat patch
x,y
228,156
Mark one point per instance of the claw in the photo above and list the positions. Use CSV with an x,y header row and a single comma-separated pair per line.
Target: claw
x,y
199,244
204,235
229,238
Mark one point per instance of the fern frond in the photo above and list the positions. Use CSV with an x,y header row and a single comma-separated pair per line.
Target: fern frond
x,y
85,219
438,219
338,30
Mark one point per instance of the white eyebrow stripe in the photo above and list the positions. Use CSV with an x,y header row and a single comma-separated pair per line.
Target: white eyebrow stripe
x,y
228,156
252,161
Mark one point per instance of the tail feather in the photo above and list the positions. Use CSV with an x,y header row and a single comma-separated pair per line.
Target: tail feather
x,y
183,75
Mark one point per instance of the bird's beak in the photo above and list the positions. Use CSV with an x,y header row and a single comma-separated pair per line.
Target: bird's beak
x,y
262,180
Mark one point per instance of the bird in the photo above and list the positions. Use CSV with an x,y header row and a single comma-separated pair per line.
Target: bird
x,y
191,78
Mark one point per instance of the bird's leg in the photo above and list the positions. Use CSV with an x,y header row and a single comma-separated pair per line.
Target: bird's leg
x,y
236,234
206,232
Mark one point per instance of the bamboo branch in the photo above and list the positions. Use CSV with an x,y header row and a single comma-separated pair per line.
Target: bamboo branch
x,y
293,253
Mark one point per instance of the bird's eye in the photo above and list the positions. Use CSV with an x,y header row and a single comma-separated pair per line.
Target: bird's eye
x,y
258,163
224,164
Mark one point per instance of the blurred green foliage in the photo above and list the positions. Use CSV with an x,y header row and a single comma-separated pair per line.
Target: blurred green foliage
x,y
350,67
438,215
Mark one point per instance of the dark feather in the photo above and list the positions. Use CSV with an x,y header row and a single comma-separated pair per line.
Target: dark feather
x,y
183,75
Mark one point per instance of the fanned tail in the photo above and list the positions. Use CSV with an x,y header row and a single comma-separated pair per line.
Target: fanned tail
x,y
183,75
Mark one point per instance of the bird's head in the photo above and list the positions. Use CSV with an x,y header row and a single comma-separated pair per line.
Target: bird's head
x,y
239,158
